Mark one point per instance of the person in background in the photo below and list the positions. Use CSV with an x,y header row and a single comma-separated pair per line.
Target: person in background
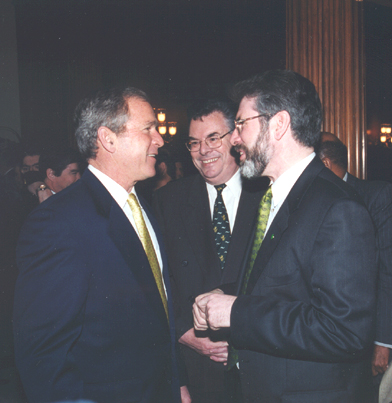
x,y
165,167
59,168
202,254
377,196
30,159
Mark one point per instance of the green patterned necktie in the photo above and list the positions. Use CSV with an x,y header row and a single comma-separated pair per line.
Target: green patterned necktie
x,y
262,220
221,226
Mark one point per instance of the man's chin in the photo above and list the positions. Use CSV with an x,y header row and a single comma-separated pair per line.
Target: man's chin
x,y
248,170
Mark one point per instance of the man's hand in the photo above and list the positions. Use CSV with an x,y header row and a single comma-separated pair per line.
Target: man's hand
x,y
212,310
380,359
185,396
40,190
44,194
216,351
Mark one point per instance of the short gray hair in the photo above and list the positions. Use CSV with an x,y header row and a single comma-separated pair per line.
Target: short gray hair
x,y
106,108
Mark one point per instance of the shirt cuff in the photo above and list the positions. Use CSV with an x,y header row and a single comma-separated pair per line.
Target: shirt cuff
x,y
383,345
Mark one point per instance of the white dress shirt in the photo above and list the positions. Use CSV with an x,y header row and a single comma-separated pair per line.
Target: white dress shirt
x,y
282,186
120,195
231,197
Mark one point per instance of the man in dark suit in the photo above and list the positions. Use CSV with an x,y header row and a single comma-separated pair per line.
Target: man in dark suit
x,y
377,196
185,211
93,316
301,319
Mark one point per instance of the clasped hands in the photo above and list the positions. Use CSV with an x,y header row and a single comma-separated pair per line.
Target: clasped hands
x,y
212,310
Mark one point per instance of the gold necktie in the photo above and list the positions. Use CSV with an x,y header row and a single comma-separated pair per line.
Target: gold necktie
x,y
148,247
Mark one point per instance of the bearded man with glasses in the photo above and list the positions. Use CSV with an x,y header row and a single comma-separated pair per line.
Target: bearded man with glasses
x,y
302,315
206,221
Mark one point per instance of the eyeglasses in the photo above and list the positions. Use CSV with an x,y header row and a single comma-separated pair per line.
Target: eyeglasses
x,y
212,142
240,122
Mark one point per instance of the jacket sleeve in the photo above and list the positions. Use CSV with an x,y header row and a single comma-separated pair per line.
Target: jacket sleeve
x,y
332,318
381,213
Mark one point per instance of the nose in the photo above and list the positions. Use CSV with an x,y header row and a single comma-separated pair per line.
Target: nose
x,y
158,140
204,149
235,138
77,176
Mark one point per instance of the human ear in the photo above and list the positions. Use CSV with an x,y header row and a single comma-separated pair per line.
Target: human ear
x,y
107,138
281,124
327,162
50,174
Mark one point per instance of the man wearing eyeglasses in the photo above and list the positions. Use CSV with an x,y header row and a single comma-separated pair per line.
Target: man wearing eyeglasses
x,y
301,317
206,220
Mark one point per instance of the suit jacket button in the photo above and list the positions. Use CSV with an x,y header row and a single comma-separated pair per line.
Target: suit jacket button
x,y
185,263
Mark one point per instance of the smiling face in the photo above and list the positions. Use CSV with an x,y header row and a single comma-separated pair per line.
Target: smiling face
x,y
216,165
137,146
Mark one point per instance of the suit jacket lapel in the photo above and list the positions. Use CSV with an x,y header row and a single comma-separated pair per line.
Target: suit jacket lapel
x,y
126,240
196,217
242,233
281,220
165,270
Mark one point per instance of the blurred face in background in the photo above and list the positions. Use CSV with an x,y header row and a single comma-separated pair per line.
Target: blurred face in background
x,y
30,163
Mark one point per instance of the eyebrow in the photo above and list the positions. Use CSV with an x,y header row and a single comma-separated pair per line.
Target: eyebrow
x,y
210,135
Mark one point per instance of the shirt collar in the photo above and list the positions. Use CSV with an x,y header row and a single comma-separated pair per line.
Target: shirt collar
x,y
119,194
282,186
234,184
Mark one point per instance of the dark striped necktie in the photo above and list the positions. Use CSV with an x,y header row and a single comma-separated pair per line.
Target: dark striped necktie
x,y
221,226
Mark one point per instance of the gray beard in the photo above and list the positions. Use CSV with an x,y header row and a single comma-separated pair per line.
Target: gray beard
x,y
257,159
249,170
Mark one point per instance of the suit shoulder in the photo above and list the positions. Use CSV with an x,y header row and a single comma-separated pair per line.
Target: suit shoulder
x,y
334,187
372,191
74,200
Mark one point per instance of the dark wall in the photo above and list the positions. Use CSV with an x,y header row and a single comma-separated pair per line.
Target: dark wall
x,y
177,51
378,48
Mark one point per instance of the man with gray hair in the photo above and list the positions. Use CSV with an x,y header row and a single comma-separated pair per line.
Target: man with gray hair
x,y
93,313
301,315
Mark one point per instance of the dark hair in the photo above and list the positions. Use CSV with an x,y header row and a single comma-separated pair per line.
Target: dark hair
x,y
336,151
278,90
204,108
165,156
29,151
58,160
106,108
